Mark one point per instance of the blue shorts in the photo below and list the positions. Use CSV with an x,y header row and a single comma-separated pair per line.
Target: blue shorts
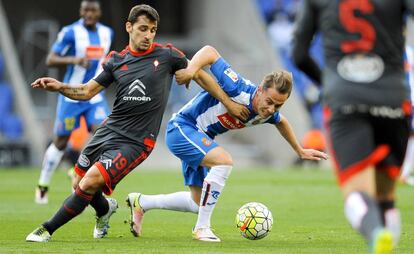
x,y
68,115
190,145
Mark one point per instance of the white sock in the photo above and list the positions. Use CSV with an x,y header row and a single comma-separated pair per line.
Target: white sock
x,y
178,201
393,224
409,159
212,186
50,162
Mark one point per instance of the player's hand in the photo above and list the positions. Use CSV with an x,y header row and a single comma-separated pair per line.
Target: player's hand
x,y
239,111
184,76
312,154
49,84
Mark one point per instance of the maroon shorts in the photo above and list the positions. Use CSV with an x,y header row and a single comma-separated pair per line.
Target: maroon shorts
x,y
114,155
358,140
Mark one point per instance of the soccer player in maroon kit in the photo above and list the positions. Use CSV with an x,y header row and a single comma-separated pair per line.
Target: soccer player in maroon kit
x,y
142,74
367,104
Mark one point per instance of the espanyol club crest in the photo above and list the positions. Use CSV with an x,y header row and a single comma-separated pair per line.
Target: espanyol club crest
x,y
206,141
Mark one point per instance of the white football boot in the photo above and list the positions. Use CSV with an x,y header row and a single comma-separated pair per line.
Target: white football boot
x,y
205,234
137,213
40,235
102,223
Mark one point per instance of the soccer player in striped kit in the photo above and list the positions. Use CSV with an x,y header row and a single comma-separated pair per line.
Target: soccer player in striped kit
x,y
81,47
190,136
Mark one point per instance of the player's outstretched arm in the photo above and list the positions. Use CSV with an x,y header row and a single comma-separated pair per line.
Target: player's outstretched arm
x,y
54,60
286,131
212,87
205,56
77,92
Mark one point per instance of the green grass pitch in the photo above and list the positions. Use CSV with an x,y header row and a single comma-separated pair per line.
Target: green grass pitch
x,y
306,206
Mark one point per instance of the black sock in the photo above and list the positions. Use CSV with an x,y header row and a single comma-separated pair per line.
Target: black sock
x,y
70,208
100,204
363,213
385,206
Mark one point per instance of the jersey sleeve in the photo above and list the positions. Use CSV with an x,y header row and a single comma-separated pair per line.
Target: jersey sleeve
x,y
274,119
178,59
305,28
65,40
105,78
230,81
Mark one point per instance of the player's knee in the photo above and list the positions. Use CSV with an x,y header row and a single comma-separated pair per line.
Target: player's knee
x,y
90,185
226,161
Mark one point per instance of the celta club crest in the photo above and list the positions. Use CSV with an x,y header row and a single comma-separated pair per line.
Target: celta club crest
x,y
137,85
156,63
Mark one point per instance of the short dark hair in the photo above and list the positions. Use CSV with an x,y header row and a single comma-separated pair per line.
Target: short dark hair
x,y
143,9
280,80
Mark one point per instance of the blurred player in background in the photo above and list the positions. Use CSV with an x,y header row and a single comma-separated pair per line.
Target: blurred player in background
x,y
408,164
142,74
367,104
279,16
190,136
82,47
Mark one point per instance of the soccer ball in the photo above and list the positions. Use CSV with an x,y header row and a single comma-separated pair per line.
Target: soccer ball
x,y
254,220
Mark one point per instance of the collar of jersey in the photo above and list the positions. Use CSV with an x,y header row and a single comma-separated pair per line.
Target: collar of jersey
x,y
143,53
81,21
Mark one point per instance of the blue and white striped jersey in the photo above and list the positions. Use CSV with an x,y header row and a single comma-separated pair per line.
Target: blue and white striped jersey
x,y
210,115
76,40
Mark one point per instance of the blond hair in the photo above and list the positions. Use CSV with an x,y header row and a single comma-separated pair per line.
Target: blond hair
x,y
282,81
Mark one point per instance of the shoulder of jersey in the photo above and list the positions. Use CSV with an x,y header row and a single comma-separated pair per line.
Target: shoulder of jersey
x,y
169,47
158,46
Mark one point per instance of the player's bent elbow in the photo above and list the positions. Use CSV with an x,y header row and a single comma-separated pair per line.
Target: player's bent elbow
x,y
212,53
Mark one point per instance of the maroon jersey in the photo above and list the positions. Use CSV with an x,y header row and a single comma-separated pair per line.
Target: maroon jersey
x,y
143,81
363,46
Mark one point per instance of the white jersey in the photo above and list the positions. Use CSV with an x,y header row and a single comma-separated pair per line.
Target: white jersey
x,y
94,44
210,115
